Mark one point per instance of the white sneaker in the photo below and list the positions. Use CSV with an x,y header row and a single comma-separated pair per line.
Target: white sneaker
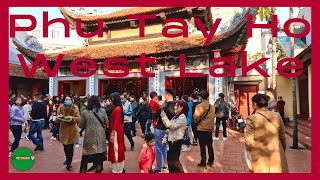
x,y
54,139
10,153
51,138
186,149
224,138
77,145
216,138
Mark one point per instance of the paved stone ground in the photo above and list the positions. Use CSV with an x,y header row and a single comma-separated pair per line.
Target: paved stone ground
x,y
228,157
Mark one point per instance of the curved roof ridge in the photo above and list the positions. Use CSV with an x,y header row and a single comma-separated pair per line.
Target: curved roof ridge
x,y
120,14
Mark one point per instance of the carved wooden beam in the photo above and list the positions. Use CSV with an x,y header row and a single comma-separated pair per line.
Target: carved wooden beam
x,y
133,24
163,16
189,11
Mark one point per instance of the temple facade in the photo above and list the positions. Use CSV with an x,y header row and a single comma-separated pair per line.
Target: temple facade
x,y
121,39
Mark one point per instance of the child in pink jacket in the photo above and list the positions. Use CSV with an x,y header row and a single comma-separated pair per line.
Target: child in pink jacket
x,y
148,154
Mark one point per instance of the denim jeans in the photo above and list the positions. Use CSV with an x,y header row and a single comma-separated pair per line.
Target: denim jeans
x,y
149,123
36,127
161,149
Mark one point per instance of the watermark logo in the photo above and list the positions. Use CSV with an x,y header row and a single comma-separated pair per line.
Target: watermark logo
x,y
22,159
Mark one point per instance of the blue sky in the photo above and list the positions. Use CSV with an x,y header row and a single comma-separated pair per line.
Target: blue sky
x,y
282,12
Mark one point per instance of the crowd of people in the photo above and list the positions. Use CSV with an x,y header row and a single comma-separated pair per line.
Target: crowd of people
x,y
169,126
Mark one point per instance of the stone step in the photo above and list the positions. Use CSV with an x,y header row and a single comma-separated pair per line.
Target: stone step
x,y
302,138
303,129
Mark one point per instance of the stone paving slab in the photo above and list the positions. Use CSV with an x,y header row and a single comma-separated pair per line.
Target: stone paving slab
x,y
228,157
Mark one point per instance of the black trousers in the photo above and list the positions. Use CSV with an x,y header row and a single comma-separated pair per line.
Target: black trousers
x,y
143,123
224,125
194,130
205,140
68,150
97,160
174,164
127,132
282,117
17,132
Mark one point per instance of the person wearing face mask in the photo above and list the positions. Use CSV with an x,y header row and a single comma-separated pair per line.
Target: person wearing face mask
x,y
265,138
69,133
127,112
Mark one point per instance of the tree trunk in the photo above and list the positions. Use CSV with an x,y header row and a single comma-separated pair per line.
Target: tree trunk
x,y
273,56
294,89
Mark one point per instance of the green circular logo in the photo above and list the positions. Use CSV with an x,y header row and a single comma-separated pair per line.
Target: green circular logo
x,y
22,159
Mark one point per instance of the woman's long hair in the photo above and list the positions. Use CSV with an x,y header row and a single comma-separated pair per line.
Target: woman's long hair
x,y
116,101
185,109
93,102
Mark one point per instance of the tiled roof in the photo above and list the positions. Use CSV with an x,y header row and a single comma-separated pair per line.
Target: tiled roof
x,y
117,15
135,48
15,70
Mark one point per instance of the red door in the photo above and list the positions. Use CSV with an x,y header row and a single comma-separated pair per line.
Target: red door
x,y
243,96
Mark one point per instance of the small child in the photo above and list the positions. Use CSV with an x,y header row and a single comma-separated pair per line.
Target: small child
x,y
148,154
155,106
54,127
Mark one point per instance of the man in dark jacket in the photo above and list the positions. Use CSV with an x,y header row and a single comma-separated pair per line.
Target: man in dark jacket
x,y
143,115
160,131
38,115
222,114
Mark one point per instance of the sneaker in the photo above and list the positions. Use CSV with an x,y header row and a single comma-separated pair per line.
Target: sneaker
x,y
216,138
51,138
10,154
54,139
165,170
27,137
194,143
224,138
186,148
77,145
